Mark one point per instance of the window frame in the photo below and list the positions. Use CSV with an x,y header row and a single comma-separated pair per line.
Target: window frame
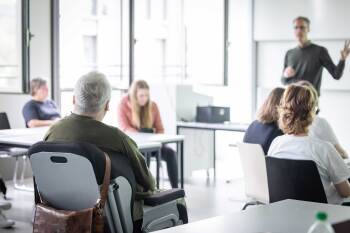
x,y
25,36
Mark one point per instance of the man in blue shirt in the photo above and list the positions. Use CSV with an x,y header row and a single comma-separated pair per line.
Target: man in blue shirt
x,y
40,111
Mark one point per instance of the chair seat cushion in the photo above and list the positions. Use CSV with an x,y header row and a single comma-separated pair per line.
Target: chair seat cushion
x,y
162,197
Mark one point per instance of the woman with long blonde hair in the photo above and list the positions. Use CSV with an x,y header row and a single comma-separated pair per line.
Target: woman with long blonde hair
x,y
138,113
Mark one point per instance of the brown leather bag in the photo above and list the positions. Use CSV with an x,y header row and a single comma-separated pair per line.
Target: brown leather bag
x,y
91,220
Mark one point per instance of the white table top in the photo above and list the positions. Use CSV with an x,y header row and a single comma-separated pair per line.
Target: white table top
x,y
149,145
288,216
151,137
229,126
28,136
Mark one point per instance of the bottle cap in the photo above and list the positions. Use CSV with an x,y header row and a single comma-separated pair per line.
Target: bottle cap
x,y
322,216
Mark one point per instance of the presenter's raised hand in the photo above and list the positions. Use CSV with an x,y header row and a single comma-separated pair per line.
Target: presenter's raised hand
x,y
289,72
346,50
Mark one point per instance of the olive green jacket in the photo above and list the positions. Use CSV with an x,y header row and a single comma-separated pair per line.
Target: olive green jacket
x,y
78,128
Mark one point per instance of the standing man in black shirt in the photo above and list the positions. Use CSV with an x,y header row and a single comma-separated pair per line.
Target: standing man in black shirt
x,y
306,61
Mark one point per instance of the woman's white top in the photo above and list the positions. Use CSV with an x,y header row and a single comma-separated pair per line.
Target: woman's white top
x,y
331,166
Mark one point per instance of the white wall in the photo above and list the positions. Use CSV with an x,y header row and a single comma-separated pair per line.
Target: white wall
x,y
329,18
273,34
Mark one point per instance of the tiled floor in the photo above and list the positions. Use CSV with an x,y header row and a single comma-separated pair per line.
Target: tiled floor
x,y
205,198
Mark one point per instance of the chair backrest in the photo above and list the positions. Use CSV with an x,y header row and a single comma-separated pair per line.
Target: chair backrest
x,y
4,121
64,170
294,179
64,180
254,169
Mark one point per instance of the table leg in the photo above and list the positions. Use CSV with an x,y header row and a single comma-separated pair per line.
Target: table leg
x,y
148,158
182,163
158,166
180,149
214,153
20,186
15,173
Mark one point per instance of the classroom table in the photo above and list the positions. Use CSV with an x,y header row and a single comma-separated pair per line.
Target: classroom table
x,y
213,127
288,216
147,143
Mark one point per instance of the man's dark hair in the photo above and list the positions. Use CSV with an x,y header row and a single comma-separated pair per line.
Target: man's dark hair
x,y
303,18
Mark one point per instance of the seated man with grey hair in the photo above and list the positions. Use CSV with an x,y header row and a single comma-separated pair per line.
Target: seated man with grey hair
x,y
91,99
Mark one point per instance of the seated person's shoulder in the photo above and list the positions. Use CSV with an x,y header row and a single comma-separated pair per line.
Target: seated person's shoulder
x,y
30,110
118,133
259,127
318,142
322,147
114,129
253,125
282,139
29,104
52,103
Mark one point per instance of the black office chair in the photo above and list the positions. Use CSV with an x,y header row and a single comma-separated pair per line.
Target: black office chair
x,y
14,152
4,121
79,172
294,179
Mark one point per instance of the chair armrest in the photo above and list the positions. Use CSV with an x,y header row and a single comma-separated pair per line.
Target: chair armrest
x,y
16,152
13,151
164,197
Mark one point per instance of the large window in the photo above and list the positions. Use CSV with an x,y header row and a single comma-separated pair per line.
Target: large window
x,y
204,26
94,35
13,51
159,40
174,41
180,40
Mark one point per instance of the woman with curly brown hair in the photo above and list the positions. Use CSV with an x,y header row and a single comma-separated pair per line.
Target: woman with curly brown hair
x,y
320,128
296,113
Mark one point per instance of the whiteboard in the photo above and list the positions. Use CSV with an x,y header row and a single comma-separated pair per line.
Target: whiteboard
x,y
270,58
273,18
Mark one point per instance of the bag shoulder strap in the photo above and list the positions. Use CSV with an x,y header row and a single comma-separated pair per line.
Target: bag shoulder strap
x,y
106,180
